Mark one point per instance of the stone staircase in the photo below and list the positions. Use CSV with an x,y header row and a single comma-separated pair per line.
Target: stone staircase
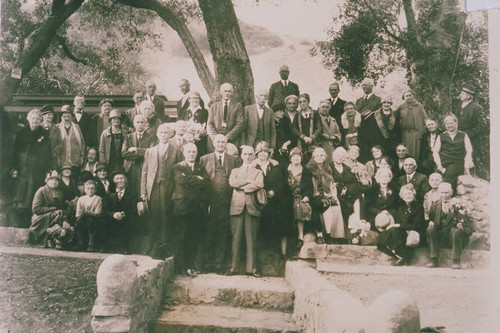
x,y
215,303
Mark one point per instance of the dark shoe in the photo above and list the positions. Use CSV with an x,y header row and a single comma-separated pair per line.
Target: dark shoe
x,y
231,272
399,262
320,240
254,274
90,248
191,273
433,263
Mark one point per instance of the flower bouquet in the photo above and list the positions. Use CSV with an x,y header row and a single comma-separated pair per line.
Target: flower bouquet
x,y
358,229
60,235
461,210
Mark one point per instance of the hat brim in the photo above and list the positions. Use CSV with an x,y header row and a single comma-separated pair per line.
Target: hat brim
x,y
469,91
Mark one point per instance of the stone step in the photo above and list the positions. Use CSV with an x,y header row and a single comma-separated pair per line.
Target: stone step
x,y
10,236
370,255
208,318
239,291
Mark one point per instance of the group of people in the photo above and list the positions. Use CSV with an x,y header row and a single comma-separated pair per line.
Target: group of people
x,y
275,169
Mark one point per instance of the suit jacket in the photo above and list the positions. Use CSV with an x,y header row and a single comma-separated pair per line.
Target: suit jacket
x,y
330,133
277,93
190,191
420,183
337,109
470,121
182,108
445,222
249,133
375,202
150,168
242,192
159,107
371,104
127,204
136,157
208,162
88,128
129,115
234,122
412,217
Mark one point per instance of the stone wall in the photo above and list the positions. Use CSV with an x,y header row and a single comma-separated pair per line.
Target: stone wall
x,y
130,293
476,191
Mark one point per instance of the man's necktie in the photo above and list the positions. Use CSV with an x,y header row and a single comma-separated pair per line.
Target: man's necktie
x,y
120,195
220,160
225,111
286,85
139,137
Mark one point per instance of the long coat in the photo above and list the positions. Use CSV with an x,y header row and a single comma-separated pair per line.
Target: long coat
x,y
190,189
45,202
73,145
412,120
366,106
220,191
337,109
377,129
242,192
133,160
88,128
234,122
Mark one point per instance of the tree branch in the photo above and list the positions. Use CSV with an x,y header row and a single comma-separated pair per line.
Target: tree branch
x,y
62,41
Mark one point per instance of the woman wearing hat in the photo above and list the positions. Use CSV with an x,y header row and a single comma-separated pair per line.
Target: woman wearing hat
x,y
72,143
412,121
48,124
301,187
104,185
453,152
31,159
326,211
110,144
67,185
307,127
380,128
277,216
350,121
49,225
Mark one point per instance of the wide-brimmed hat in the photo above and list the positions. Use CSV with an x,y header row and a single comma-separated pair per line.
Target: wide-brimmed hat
x,y
52,174
295,151
66,108
118,171
115,113
66,166
261,146
259,198
47,109
101,166
469,88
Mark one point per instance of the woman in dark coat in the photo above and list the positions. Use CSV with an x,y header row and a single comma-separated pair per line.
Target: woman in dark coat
x,y
301,188
307,127
285,139
426,164
409,217
382,198
277,215
49,225
198,115
31,159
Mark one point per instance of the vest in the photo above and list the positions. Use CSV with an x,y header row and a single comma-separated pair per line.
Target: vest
x,y
452,151
221,183
161,173
260,130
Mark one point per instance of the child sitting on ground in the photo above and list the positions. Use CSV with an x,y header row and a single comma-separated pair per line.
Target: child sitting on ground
x,y
88,211
433,195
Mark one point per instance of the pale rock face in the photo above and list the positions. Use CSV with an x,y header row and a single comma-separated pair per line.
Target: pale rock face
x,y
115,278
393,312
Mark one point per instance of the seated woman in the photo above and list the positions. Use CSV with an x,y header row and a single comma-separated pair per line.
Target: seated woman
x,y
427,143
91,161
196,114
357,168
433,195
373,165
382,198
49,217
300,184
349,191
327,217
409,218
453,152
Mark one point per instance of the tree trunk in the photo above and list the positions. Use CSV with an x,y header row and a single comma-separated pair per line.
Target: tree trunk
x,y
169,16
36,45
230,56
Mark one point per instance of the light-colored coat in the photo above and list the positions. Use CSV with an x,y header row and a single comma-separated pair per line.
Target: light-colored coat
x,y
72,152
245,183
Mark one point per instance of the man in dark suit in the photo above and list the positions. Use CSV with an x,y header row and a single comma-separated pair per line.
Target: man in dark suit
x,y
122,214
369,102
131,113
470,119
420,182
84,120
157,101
244,212
444,230
337,107
259,120
226,117
190,211
157,185
281,89
183,103
218,166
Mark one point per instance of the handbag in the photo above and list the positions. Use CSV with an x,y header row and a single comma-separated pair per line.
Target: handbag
x,y
413,238
303,211
259,198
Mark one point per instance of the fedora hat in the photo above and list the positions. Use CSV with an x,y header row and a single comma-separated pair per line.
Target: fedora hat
x,y
118,171
101,166
142,208
259,198
469,88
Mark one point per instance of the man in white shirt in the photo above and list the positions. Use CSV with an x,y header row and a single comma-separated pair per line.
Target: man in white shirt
x,y
369,102
157,101
260,125
419,181
283,88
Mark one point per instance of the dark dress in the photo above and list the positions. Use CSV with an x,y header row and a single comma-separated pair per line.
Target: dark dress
x,y
32,160
283,134
393,241
380,129
426,164
346,182
277,215
376,202
199,116
300,186
310,127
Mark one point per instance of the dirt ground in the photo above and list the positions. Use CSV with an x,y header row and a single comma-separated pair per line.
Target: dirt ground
x,y
460,303
46,294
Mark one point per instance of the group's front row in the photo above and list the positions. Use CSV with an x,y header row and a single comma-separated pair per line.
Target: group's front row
x,y
193,209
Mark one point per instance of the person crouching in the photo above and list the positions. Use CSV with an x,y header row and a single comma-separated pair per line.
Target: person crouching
x,y
88,212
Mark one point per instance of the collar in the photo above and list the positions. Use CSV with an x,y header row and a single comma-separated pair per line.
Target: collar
x,y
226,102
283,82
411,175
217,154
369,95
334,100
464,104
